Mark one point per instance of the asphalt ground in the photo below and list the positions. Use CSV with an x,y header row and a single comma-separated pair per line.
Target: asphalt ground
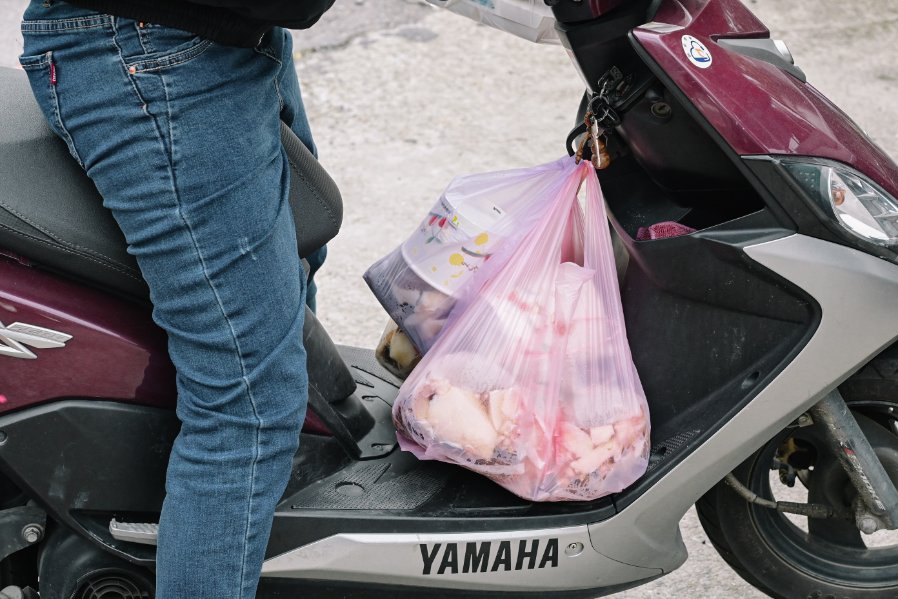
x,y
403,97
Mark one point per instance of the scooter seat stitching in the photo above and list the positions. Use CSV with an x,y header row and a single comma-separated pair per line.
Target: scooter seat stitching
x,y
106,263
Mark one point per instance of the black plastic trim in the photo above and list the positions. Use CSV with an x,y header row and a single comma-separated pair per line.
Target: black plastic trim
x,y
810,218
599,44
283,588
13,521
78,457
727,341
772,203
657,270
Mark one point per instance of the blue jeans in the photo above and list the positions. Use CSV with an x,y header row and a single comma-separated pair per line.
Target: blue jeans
x,y
181,137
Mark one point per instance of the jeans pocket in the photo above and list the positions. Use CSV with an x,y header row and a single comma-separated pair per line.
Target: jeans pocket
x,y
163,47
41,71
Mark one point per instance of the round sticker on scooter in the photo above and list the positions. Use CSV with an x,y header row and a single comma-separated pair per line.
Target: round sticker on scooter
x,y
697,53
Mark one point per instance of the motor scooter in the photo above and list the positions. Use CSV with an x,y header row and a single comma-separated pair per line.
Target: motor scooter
x,y
764,339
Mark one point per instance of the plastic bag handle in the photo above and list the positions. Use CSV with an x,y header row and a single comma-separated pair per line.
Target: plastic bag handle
x,y
548,233
559,216
598,252
529,251
597,244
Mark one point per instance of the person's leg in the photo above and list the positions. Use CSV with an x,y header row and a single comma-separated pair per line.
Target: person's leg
x,y
294,115
181,137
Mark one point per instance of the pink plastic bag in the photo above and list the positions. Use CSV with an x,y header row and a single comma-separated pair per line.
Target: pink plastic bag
x,y
532,382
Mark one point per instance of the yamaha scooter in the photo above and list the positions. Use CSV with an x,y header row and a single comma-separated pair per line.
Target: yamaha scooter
x,y
764,337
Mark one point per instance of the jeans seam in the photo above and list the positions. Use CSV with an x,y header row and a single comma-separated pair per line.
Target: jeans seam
x,y
59,29
149,66
244,377
277,90
143,38
121,55
269,55
63,132
61,25
29,66
277,76
236,341
171,133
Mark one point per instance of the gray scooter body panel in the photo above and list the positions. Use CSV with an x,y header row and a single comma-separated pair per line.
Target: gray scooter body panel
x,y
856,293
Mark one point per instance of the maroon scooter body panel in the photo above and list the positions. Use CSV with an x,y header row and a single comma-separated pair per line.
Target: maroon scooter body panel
x,y
116,352
600,7
755,106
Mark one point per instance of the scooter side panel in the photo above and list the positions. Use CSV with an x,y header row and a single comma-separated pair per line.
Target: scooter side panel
x,y
555,560
755,106
115,351
856,294
86,461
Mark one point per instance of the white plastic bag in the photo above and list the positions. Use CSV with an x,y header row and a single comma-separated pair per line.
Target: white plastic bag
x,y
529,19
532,382
417,283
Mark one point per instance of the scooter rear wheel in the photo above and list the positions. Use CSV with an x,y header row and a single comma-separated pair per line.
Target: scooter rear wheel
x,y
791,557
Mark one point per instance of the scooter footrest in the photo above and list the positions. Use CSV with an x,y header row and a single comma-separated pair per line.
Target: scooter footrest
x,y
144,533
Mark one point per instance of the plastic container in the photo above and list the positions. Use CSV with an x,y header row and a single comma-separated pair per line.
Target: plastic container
x,y
452,242
529,19
418,281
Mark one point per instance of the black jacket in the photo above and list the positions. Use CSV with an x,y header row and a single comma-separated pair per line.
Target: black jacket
x,y
230,22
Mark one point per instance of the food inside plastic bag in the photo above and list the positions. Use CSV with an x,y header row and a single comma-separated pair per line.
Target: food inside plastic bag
x,y
411,301
532,383
417,283
396,352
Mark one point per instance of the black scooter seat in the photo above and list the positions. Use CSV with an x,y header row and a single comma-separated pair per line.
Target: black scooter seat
x,y
51,213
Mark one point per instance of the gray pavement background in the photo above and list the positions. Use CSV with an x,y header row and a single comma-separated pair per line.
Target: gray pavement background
x,y
403,97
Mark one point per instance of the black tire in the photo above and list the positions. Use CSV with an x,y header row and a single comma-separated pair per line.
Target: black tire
x,y
775,556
